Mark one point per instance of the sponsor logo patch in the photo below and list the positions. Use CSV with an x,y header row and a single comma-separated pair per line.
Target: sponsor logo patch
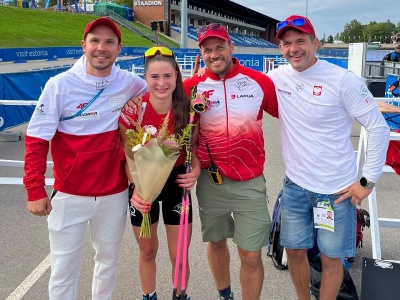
x,y
284,92
39,109
117,99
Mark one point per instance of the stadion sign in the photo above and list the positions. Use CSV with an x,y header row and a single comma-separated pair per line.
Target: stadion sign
x,y
147,3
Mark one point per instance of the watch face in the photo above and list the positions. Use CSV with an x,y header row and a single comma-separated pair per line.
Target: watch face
x,y
364,182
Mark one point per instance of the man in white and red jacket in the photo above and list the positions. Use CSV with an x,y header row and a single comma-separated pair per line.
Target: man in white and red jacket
x,y
78,114
229,137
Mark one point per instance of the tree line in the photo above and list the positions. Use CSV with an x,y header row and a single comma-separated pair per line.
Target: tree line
x,y
354,32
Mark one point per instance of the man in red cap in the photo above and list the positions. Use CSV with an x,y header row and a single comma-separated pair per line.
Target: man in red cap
x,y
79,117
318,102
230,146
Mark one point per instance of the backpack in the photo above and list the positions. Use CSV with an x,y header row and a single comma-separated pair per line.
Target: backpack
x,y
275,249
387,57
362,221
347,289
393,155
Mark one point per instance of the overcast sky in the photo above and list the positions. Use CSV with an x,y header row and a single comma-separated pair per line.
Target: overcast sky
x,y
328,16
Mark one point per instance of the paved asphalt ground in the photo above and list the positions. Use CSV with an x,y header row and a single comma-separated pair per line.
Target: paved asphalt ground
x,y
24,245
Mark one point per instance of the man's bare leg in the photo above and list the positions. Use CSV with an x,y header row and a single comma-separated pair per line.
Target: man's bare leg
x,y
251,274
299,269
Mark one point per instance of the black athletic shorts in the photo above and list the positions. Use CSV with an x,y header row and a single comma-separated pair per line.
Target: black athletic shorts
x,y
171,198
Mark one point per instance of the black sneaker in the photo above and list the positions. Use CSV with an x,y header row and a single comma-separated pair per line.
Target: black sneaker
x,y
179,298
230,297
148,297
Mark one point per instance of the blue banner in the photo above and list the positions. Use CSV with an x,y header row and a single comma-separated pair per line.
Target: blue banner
x,y
24,86
2,108
334,52
392,86
29,86
22,55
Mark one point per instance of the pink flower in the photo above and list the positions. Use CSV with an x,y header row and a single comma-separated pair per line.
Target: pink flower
x,y
172,144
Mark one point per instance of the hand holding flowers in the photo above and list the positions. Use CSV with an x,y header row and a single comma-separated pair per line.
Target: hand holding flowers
x,y
151,155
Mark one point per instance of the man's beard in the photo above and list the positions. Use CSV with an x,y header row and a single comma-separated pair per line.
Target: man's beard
x,y
100,67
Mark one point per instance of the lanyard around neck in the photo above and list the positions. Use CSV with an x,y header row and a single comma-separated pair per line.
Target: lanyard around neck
x,y
77,114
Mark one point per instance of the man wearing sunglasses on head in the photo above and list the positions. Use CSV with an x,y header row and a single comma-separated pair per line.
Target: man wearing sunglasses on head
x,y
78,115
229,140
318,102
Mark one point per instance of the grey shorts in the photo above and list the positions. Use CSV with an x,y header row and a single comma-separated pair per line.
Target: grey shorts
x,y
235,209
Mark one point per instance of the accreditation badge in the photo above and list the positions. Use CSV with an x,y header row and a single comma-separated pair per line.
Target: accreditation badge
x,y
324,216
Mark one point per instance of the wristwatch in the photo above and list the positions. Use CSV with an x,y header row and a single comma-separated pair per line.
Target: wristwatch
x,y
366,183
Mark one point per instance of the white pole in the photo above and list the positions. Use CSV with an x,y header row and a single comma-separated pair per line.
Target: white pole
x,y
306,7
184,24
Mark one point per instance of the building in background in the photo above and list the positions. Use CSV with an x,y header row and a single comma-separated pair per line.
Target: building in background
x,y
250,27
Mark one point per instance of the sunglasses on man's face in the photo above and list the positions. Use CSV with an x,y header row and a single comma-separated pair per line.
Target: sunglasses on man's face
x,y
203,29
295,22
158,50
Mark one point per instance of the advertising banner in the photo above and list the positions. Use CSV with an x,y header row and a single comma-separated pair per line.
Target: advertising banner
x,y
23,86
392,91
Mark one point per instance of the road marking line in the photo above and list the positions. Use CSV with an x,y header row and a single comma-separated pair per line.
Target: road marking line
x,y
29,281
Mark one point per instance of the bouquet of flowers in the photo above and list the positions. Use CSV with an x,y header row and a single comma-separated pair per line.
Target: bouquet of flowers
x,y
151,155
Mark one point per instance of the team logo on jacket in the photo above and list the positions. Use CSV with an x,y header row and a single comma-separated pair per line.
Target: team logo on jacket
x,y
234,96
89,115
117,110
215,103
101,84
243,83
117,99
317,91
364,91
82,105
299,86
39,109
287,93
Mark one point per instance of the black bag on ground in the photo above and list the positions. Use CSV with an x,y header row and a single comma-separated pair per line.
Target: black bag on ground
x,y
275,250
380,279
387,57
347,290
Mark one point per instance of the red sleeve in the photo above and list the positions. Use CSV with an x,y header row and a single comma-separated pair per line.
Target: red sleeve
x,y
36,151
126,117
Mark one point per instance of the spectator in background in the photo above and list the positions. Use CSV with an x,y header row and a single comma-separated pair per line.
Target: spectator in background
x,y
395,56
392,56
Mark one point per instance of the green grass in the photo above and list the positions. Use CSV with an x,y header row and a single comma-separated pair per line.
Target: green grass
x,y
23,27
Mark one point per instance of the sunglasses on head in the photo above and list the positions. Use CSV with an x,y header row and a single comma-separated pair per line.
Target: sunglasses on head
x,y
203,29
295,22
158,50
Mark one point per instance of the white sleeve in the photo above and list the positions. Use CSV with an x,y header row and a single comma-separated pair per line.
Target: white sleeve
x,y
45,117
377,132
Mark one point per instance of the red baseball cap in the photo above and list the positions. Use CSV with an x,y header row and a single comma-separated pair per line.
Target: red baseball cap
x,y
299,23
103,21
212,30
